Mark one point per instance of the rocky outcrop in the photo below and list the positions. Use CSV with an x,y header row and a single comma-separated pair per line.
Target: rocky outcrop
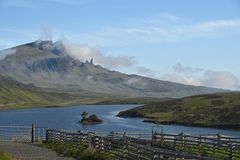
x,y
91,120
59,64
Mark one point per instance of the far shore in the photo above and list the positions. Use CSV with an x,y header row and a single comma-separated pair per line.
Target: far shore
x,y
225,127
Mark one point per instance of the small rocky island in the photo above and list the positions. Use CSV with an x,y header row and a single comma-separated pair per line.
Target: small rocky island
x,y
90,120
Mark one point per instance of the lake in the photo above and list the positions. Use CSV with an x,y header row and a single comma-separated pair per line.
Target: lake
x,y
66,118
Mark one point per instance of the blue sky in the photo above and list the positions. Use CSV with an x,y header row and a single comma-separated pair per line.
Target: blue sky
x,y
186,41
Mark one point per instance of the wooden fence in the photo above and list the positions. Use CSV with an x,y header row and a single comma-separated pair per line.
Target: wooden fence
x,y
130,147
221,146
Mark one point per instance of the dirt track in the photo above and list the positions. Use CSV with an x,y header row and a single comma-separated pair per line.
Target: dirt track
x,y
27,151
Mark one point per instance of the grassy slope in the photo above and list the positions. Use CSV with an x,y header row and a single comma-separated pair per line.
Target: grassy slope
x,y
213,110
136,100
17,95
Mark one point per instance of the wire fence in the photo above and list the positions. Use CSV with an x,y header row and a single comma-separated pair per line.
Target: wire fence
x,y
22,133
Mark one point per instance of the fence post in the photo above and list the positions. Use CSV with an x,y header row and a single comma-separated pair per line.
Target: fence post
x,y
199,144
124,137
218,139
174,141
33,133
90,140
96,142
138,152
47,135
184,142
109,145
162,138
102,146
125,150
155,157
231,151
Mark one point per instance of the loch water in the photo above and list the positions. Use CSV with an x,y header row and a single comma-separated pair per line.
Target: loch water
x,y
66,118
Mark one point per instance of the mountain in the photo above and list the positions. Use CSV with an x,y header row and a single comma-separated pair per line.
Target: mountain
x,y
220,110
47,64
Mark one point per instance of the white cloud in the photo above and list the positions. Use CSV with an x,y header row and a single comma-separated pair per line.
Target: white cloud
x,y
46,33
188,80
164,28
6,52
203,77
154,33
184,69
85,52
221,79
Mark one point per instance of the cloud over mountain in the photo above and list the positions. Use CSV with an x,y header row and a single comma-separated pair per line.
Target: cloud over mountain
x,y
181,69
85,52
221,79
6,52
203,77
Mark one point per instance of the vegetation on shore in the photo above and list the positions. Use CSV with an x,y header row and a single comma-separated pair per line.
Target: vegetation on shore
x,y
77,151
213,110
89,120
4,156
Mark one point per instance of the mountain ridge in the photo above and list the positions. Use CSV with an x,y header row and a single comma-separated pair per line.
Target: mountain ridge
x,y
47,64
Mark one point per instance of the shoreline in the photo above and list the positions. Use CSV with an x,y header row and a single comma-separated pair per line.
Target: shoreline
x,y
146,120
60,106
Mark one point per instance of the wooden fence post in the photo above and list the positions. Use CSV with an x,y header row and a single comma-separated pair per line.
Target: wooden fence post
x,y
231,151
125,149
139,153
162,138
124,137
109,145
174,142
33,133
102,147
184,142
112,134
96,142
90,140
218,139
47,135
199,144
155,156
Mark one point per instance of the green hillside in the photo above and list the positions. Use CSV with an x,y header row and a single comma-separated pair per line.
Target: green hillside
x,y
213,110
17,95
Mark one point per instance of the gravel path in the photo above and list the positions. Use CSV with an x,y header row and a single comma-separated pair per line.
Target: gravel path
x,y
27,151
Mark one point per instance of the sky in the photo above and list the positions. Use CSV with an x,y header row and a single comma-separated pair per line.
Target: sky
x,y
185,41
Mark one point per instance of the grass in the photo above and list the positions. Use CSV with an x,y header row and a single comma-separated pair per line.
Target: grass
x,y
4,156
79,152
213,110
15,95
218,152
